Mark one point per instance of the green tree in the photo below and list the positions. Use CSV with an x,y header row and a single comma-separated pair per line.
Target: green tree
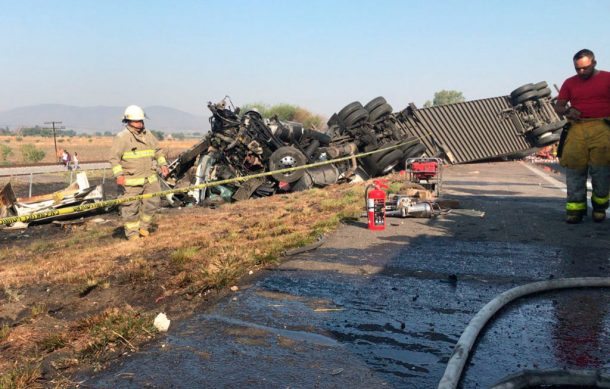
x,y
282,111
286,112
6,152
31,154
258,107
444,97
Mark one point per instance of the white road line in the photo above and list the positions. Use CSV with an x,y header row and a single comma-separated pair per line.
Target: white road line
x,y
551,180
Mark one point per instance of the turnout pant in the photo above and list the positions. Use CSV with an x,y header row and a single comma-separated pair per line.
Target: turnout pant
x,y
587,151
138,214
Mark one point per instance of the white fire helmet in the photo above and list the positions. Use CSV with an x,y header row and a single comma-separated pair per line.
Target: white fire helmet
x,y
134,113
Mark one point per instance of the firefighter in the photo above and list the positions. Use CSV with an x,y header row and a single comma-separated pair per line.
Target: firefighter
x,y
586,148
135,157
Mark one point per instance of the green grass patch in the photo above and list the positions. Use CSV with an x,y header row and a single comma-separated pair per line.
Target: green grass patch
x,y
5,330
115,328
23,375
184,255
395,187
38,309
52,343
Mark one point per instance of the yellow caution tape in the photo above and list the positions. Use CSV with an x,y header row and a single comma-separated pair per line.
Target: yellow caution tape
x,y
110,203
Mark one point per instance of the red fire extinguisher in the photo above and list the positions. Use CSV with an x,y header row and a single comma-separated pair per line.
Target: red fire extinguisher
x,y
375,205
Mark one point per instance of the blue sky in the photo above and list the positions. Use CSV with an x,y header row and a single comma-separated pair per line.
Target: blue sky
x,y
317,54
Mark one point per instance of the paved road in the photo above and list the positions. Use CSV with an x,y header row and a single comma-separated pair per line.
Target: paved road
x,y
15,171
385,309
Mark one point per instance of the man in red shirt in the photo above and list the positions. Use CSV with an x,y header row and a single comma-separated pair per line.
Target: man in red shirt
x,y
587,145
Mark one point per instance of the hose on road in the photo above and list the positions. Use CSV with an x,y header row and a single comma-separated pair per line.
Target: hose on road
x,y
458,359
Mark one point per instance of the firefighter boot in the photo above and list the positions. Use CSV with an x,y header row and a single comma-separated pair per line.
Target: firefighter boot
x,y
574,217
599,215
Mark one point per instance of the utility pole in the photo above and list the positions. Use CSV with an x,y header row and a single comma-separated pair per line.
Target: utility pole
x,y
54,140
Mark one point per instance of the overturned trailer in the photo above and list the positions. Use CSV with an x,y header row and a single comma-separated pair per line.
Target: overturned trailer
x,y
470,131
487,128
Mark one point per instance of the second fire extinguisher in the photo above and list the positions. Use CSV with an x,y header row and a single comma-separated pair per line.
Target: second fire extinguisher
x,y
375,204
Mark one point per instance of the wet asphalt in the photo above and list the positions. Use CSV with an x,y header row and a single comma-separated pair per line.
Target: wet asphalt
x,y
384,309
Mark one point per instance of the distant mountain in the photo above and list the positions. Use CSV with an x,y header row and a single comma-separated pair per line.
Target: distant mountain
x,y
101,118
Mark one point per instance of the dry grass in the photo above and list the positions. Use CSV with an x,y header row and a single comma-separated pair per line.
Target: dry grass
x,y
95,148
193,251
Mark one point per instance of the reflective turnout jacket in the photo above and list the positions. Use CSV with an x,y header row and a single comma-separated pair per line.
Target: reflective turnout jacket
x,y
136,156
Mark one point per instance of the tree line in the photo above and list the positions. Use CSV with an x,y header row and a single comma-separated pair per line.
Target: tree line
x,y
47,133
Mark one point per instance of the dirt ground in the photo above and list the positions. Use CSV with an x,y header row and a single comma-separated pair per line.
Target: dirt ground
x,y
76,296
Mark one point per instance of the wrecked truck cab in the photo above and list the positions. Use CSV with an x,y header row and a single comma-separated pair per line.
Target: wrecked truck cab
x,y
243,144
240,145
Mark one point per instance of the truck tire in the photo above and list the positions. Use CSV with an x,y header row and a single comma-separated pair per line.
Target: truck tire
x,y
348,110
531,95
377,156
380,112
388,162
549,127
376,102
545,140
545,92
416,151
356,116
287,157
334,120
521,90
540,85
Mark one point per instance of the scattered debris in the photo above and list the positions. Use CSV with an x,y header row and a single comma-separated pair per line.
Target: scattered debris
x,y
234,288
77,193
161,322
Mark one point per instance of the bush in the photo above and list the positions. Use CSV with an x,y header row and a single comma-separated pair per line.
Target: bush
x,y
19,139
31,154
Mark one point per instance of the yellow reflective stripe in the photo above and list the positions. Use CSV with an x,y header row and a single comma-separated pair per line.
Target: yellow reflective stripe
x,y
599,200
116,169
576,206
161,161
135,181
139,154
145,218
140,181
132,226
